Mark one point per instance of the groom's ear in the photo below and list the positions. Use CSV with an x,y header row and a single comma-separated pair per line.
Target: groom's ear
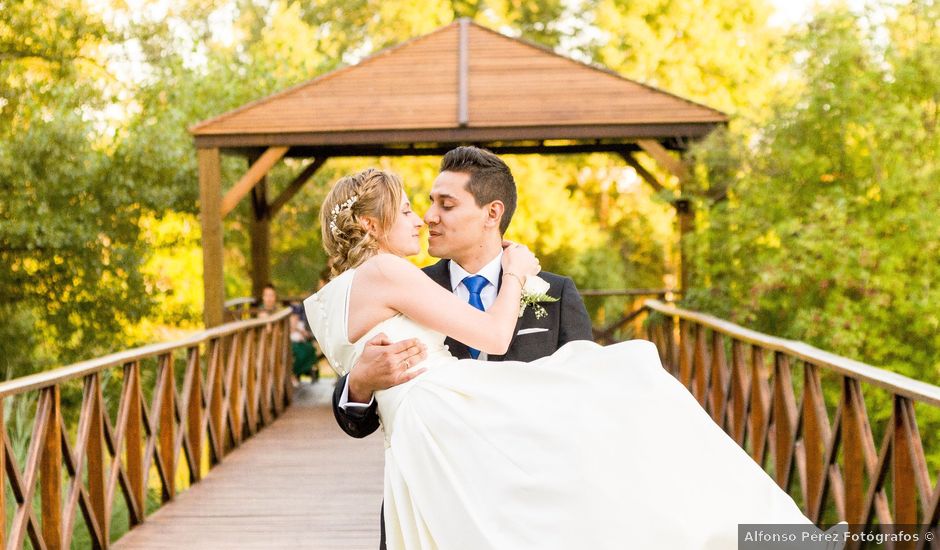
x,y
494,213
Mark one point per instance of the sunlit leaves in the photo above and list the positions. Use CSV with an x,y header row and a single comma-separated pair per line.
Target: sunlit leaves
x,y
830,233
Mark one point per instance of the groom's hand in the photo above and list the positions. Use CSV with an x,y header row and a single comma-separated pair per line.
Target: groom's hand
x,y
384,364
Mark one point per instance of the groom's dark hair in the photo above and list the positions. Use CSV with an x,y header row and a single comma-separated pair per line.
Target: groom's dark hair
x,y
490,178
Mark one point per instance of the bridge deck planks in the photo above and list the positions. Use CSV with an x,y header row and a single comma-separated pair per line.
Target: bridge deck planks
x,y
299,483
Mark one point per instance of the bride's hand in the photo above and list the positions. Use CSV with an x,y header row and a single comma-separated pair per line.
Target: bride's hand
x,y
519,260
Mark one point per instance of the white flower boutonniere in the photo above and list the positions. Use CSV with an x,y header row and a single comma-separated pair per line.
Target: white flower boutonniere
x,y
534,292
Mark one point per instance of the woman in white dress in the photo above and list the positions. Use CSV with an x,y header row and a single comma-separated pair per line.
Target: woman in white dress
x,y
591,447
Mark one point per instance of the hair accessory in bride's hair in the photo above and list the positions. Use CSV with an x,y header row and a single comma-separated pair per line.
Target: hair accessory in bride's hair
x,y
339,208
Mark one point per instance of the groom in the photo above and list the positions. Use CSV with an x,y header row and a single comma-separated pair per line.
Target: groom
x,y
472,202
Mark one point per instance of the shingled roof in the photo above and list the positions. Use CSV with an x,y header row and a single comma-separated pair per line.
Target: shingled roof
x,y
460,83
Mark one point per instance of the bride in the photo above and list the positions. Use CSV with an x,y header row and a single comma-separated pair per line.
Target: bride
x,y
591,447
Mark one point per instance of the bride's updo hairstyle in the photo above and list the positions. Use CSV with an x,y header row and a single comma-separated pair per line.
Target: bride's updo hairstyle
x,y
371,193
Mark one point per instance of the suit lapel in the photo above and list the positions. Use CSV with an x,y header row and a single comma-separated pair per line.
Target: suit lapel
x,y
515,331
440,274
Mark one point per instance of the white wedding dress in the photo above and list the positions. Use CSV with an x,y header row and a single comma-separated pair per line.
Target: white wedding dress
x,y
592,447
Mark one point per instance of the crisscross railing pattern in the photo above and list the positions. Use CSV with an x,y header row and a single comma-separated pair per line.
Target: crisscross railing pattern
x,y
612,327
801,413
234,381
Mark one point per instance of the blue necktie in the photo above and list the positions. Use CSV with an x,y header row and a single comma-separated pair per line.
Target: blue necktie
x,y
475,283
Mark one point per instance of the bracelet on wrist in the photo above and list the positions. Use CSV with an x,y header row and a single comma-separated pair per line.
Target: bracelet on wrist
x,y
518,278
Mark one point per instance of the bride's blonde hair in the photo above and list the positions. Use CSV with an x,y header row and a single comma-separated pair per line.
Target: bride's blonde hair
x,y
371,193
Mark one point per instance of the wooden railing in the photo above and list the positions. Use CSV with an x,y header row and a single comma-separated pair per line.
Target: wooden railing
x,y
239,309
775,396
612,326
179,409
625,323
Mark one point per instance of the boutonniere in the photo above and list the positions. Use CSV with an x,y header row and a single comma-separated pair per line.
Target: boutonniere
x,y
534,292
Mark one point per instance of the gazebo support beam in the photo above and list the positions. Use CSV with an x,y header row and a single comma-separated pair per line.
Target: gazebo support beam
x,y
457,135
642,172
210,209
260,231
438,150
662,157
683,206
686,225
260,224
296,185
255,173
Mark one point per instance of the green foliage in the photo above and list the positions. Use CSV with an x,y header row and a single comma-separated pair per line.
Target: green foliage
x,y
107,230
369,25
719,52
830,233
68,276
43,46
815,209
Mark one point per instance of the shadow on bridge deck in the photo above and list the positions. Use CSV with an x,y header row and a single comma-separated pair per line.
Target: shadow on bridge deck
x,y
299,483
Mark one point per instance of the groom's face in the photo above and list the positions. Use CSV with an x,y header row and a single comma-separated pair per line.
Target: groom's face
x,y
455,222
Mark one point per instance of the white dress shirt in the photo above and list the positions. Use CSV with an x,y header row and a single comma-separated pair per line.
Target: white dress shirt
x,y
488,294
457,275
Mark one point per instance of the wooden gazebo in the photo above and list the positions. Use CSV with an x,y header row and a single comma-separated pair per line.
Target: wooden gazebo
x,y
461,84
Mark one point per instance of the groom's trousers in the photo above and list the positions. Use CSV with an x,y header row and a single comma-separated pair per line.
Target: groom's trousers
x,y
382,527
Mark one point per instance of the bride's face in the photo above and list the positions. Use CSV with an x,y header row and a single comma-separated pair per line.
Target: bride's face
x,y
403,236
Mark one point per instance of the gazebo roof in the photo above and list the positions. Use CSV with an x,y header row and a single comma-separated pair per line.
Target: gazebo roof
x,y
460,83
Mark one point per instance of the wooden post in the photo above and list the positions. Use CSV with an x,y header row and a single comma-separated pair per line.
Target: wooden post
x,y
133,440
686,226
251,392
853,455
759,409
685,353
677,168
214,381
194,412
785,414
168,426
266,366
233,378
95,457
260,229
286,359
700,367
51,473
210,207
905,484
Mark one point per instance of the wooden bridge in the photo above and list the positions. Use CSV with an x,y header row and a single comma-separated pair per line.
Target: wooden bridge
x,y
302,483
203,443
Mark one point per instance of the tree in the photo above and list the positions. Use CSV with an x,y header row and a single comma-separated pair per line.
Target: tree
x,y
718,52
831,214
67,224
135,175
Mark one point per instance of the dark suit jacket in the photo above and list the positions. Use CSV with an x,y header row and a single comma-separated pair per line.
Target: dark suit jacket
x,y
567,320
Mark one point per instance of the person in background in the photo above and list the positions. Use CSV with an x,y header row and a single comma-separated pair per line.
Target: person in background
x,y
269,301
301,345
